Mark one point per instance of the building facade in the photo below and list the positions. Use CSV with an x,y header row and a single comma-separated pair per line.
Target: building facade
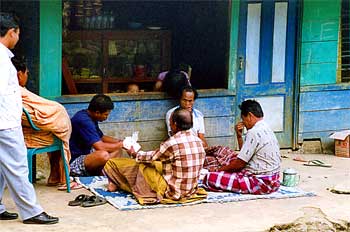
x,y
289,55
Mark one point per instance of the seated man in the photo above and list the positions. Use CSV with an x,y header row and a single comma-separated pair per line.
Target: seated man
x,y
256,168
90,148
174,178
52,118
187,97
216,156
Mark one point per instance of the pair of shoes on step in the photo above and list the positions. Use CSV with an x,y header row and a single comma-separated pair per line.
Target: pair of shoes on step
x,y
87,201
42,218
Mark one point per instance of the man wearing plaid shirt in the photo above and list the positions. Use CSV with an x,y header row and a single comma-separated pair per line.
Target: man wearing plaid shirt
x,y
181,156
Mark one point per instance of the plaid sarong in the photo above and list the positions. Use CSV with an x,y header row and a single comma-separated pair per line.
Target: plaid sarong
x,y
77,167
241,182
218,156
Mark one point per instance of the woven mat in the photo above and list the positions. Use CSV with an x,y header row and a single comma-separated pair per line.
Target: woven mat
x,y
126,201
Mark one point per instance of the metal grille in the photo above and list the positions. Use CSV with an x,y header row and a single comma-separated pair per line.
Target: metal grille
x,y
345,41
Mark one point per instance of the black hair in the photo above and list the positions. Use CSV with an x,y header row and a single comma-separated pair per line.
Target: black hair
x,y
251,106
173,83
101,103
182,118
7,22
182,67
19,63
189,88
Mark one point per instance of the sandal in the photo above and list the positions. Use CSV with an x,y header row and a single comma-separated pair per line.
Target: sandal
x,y
73,185
78,200
317,163
94,201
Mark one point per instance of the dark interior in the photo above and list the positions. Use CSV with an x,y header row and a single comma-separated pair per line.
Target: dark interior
x,y
199,32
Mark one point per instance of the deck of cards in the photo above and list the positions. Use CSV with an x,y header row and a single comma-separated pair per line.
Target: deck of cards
x,y
131,141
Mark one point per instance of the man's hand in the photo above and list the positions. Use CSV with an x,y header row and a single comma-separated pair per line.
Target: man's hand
x,y
235,165
131,152
239,129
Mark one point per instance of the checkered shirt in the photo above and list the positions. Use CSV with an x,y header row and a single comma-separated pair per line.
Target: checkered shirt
x,y
182,157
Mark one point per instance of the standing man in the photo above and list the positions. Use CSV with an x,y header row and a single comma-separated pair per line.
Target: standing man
x,y
13,152
256,168
90,148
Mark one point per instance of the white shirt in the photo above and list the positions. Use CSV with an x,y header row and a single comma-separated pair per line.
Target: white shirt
x,y
10,95
261,150
198,121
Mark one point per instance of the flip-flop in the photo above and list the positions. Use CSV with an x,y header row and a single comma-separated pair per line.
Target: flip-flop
x,y
78,200
94,201
317,163
73,186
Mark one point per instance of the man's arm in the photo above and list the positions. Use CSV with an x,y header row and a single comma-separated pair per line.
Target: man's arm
x,y
164,153
167,121
109,139
146,156
201,136
239,130
234,166
108,146
201,128
5,75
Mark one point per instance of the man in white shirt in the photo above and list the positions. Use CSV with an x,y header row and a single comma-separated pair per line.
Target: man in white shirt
x,y
255,169
13,152
187,98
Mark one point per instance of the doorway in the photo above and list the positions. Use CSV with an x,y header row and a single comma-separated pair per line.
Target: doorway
x,y
266,62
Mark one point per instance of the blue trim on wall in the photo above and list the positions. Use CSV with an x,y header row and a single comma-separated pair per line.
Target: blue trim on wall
x,y
266,42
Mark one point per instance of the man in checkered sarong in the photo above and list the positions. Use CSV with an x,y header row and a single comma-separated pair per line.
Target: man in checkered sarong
x,y
255,169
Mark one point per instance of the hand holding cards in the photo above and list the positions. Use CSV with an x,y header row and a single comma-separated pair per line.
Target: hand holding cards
x,y
131,142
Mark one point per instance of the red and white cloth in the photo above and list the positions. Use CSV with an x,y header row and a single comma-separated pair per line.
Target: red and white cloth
x,y
217,157
241,182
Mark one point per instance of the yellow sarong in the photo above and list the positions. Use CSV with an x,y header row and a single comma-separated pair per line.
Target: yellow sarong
x,y
144,181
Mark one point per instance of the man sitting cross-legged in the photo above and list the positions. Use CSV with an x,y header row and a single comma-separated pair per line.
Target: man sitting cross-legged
x,y
167,174
255,169
90,148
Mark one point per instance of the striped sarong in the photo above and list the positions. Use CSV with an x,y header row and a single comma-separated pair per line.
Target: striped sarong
x,y
241,182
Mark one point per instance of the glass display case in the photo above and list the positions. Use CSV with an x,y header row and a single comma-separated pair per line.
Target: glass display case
x,y
113,59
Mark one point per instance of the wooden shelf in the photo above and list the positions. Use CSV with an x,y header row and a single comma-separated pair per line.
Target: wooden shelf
x,y
104,46
129,80
121,80
87,81
106,81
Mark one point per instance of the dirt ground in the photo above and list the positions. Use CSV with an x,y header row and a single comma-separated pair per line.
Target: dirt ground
x,y
256,215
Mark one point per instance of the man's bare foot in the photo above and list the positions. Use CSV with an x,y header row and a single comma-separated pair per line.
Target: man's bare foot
x,y
111,187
